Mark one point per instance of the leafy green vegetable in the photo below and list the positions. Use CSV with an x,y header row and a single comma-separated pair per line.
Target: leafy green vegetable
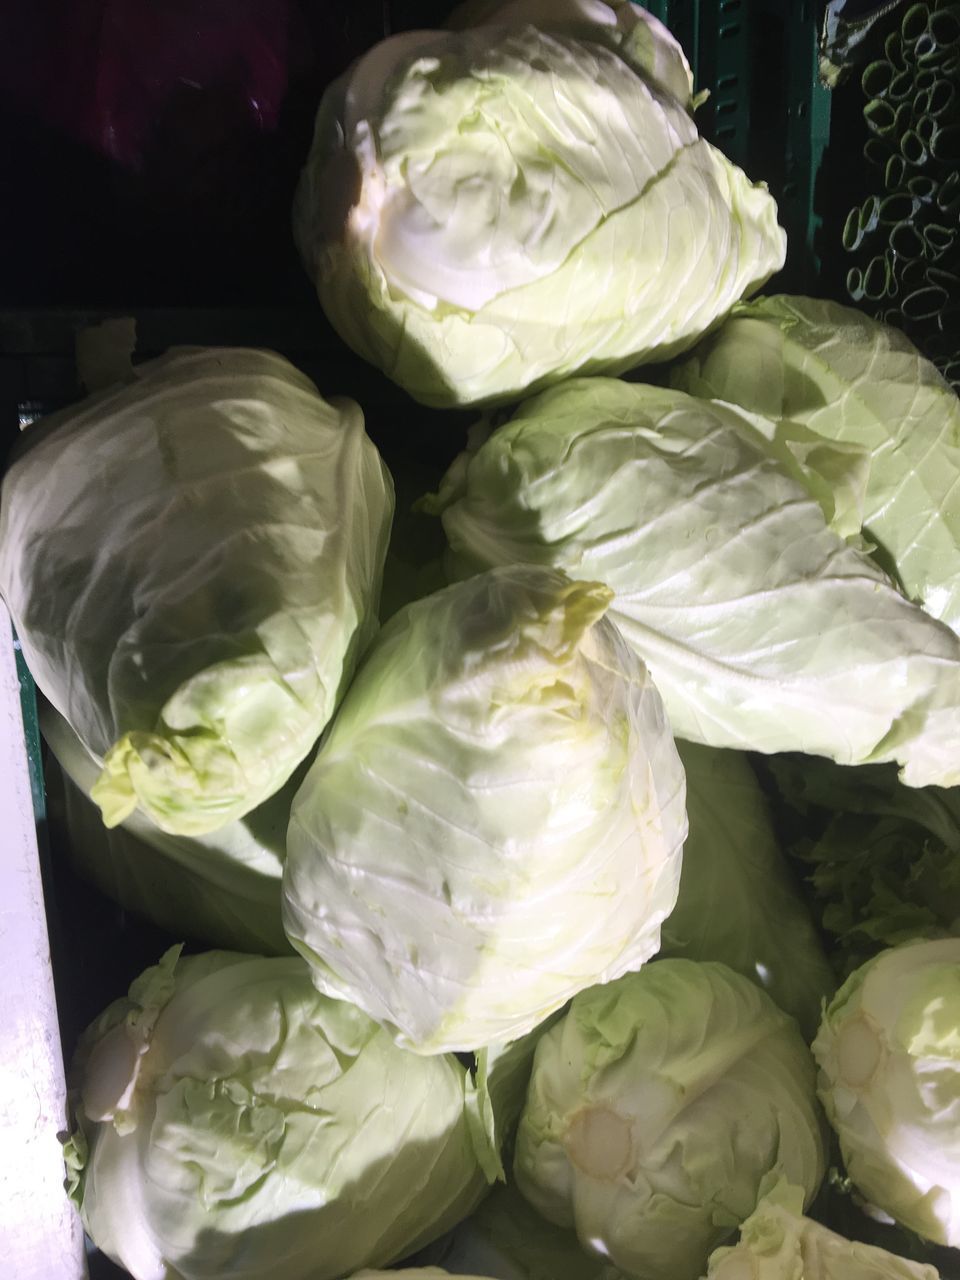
x,y
192,563
888,1050
827,377
486,211
495,818
657,1108
884,859
761,627
737,901
778,1243
222,888
235,1122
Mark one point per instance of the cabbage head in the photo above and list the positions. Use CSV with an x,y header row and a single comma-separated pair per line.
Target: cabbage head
x,y
657,1108
738,901
872,424
487,211
192,562
235,1122
222,888
761,627
778,1243
888,1050
495,819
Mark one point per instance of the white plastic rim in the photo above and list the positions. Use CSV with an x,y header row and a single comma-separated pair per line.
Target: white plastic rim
x,y
40,1229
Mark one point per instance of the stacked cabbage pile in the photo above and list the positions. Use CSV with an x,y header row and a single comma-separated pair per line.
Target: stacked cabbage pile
x,y
503,881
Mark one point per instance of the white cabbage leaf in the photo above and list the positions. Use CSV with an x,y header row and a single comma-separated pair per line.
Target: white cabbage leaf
x,y
873,424
778,1243
192,563
495,819
656,1109
888,1050
486,211
233,1121
761,627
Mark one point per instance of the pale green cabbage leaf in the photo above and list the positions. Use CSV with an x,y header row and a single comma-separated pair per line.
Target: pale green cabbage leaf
x,y
738,900
495,819
656,1109
192,563
235,1122
486,211
761,627
833,384
888,1051
222,888
778,1243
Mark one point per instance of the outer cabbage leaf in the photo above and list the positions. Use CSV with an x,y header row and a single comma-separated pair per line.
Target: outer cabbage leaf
x,y
192,563
495,819
888,1050
657,1108
239,1123
738,902
828,377
761,627
640,39
884,859
222,888
778,1243
490,210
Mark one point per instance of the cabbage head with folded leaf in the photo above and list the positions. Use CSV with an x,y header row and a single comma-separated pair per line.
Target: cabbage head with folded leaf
x,y
192,561
489,210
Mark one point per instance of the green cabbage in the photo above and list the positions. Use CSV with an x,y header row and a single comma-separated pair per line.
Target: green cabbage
x,y
234,1122
760,626
888,1050
495,818
778,1243
656,1109
486,211
192,563
853,400
737,901
222,888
